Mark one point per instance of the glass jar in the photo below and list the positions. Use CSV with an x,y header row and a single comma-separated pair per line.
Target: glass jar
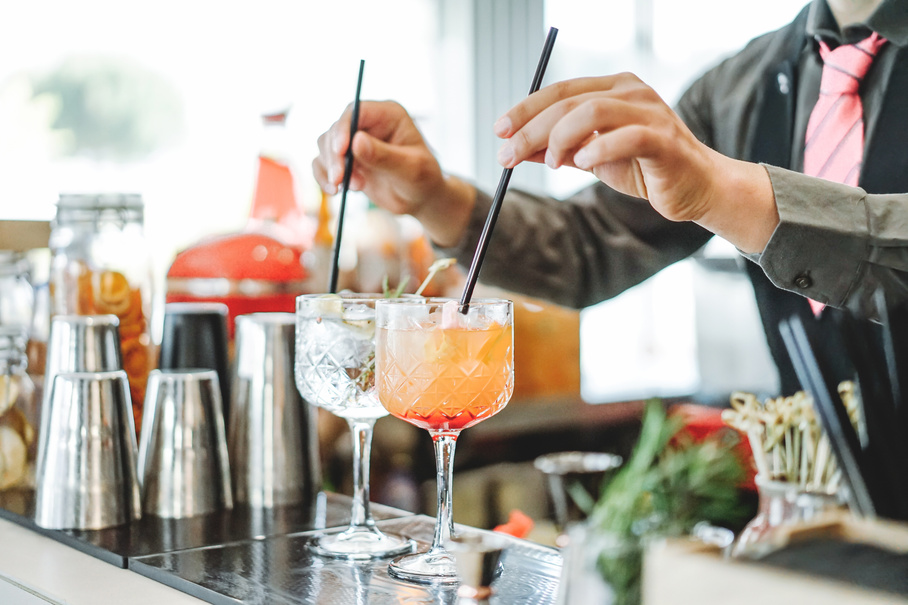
x,y
19,413
781,506
600,567
17,296
379,250
101,265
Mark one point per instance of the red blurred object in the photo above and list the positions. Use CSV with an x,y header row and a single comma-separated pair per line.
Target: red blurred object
x,y
519,525
248,272
274,206
702,422
274,195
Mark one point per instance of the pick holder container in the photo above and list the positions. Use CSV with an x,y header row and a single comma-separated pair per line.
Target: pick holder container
x,y
574,481
477,558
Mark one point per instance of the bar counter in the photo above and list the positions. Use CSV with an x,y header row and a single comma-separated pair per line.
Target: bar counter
x,y
239,556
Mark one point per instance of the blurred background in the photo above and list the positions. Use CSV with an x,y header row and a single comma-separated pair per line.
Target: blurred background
x,y
167,100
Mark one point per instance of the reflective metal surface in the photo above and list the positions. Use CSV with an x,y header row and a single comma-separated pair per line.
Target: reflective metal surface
x,y
183,468
283,571
195,336
476,556
574,481
83,343
80,343
272,441
86,468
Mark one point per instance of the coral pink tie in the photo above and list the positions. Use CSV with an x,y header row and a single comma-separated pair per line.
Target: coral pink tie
x,y
834,146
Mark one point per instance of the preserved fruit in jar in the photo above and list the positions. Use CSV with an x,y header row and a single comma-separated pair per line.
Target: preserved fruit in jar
x,y
101,266
19,411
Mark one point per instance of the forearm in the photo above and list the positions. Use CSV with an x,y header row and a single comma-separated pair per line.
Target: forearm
x,y
575,252
445,216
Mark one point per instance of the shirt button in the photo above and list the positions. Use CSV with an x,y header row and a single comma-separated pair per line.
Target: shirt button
x,y
784,85
803,281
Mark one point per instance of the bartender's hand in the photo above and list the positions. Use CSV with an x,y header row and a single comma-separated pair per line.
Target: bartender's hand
x,y
395,168
620,130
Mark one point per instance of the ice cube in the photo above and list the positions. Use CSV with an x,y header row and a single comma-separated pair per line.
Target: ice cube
x,y
451,317
330,305
359,312
481,321
406,316
360,328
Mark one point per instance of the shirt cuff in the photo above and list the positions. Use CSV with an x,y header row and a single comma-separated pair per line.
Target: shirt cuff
x,y
821,242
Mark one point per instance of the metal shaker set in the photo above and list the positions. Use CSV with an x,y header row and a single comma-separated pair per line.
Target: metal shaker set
x,y
213,434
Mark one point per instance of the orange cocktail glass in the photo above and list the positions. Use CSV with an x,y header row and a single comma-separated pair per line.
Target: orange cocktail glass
x,y
442,367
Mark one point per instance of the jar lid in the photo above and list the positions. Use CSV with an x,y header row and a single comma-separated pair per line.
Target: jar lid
x,y
83,207
14,263
13,340
98,201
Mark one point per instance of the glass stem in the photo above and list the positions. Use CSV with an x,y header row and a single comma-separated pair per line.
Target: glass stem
x,y
361,517
444,441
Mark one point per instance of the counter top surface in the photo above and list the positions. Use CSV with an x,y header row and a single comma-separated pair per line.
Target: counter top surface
x,y
282,571
266,561
153,535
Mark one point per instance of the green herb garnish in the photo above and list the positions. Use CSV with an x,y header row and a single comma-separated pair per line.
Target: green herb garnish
x,y
669,484
365,380
439,265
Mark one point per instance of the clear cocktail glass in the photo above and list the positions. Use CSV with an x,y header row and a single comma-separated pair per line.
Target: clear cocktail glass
x,y
335,370
442,367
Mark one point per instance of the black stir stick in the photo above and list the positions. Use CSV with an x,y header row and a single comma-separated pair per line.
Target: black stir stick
x,y
348,171
483,244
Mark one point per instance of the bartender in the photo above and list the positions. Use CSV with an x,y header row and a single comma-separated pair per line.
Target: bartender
x,y
793,150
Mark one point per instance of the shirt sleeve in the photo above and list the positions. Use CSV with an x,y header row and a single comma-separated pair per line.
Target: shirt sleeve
x,y
578,251
837,244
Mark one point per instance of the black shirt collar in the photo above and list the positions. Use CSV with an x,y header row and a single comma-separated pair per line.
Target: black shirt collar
x,y
890,20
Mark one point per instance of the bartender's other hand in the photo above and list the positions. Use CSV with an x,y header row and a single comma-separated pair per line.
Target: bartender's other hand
x,y
394,167
620,130
391,162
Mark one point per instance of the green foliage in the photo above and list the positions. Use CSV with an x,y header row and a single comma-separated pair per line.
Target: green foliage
x,y
669,484
694,482
671,481
627,499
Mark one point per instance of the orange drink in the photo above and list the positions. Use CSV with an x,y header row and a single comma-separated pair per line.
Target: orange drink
x,y
461,375
442,367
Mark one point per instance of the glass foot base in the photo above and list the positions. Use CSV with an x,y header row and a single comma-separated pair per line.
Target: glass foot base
x,y
356,543
425,568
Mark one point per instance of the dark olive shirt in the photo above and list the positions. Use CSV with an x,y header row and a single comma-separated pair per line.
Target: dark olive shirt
x,y
597,243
